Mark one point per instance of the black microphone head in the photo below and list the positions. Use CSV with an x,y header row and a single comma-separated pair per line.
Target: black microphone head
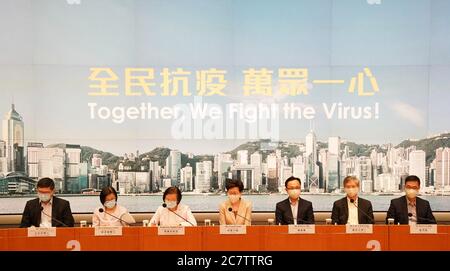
x,y
352,200
410,214
164,205
230,209
42,208
101,210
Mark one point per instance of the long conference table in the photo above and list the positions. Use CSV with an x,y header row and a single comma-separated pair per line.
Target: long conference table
x,y
209,238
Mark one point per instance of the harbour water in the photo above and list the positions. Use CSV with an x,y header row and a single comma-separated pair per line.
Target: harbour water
x,y
210,203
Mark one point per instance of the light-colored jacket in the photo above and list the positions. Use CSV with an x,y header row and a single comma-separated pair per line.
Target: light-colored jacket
x,y
229,218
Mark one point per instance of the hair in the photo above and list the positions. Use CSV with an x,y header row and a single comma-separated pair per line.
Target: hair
x,y
46,183
105,192
172,190
231,183
351,178
412,178
290,179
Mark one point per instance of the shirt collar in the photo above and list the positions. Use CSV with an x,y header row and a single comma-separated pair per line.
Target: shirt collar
x,y
50,202
290,201
356,200
410,202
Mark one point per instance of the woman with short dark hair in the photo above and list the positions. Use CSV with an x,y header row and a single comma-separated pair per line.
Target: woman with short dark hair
x,y
111,214
172,212
235,210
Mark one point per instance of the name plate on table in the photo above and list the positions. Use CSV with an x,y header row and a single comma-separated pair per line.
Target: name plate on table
x,y
108,231
233,229
362,228
423,229
42,232
170,230
302,229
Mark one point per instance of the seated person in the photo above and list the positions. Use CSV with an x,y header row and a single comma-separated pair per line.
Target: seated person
x,y
111,213
294,209
352,209
47,210
235,210
173,213
410,209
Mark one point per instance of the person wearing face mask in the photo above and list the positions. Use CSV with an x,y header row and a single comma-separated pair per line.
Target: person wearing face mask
x,y
235,210
352,209
173,213
410,209
111,211
47,210
294,209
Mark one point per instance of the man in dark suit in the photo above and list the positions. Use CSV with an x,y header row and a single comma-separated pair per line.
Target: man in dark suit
x,y
352,209
294,210
47,210
410,209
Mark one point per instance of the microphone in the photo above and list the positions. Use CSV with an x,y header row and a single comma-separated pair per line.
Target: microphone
x,y
52,218
422,218
103,211
353,202
165,206
231,210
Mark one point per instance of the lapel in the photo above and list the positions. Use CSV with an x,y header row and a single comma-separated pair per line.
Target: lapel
x,y
241,211
37,217
345,210
53,210
419,208
299,212
360,214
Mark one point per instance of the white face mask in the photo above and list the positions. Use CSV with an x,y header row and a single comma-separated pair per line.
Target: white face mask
x,y
351,192
110,204
170,204
294,193
411,193
44,197
234,198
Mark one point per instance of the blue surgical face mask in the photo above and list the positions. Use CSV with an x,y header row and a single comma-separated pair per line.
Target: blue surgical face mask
x,y
110,204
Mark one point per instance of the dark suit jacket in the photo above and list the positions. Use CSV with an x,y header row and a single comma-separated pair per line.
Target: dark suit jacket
x,y
339,214
283,212
398,210
60,210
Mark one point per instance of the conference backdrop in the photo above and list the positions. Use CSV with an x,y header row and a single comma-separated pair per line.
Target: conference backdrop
x,y
144,95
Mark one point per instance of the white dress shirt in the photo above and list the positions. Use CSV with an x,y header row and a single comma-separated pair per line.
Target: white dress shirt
x,y
46,219
352,212
165,217
413,210
294,209
103,219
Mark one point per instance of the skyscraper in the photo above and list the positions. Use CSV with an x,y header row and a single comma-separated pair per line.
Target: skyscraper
x,y
203,171
175,166
13,135
417,166
255,162
334,145
242,157
311,158
154,170
224,163
272,170
186,177
442,169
